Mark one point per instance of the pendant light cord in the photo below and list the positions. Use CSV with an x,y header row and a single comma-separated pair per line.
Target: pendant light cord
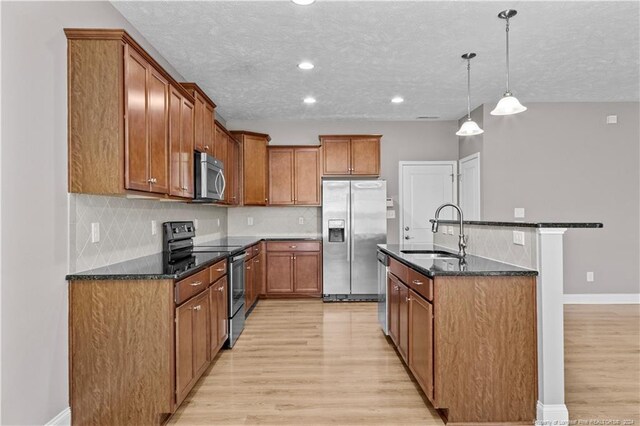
x,y
507,31
469,89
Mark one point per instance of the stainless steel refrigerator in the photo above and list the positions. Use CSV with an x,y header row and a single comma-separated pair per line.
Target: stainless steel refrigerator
x,y
354,222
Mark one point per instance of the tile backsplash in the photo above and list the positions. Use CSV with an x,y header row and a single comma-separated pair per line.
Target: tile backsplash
x,y
496,243
125,227
275,221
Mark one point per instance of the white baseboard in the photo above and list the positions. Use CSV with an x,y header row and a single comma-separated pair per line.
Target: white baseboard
x,y
602,299
62,419
556,414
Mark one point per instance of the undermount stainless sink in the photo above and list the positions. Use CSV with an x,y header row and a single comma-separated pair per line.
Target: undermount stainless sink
x,y
432,254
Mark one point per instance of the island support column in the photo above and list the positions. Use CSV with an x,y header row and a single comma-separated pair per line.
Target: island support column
x,y
550,294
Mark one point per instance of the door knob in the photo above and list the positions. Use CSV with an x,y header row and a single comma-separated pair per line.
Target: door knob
x,y
406,237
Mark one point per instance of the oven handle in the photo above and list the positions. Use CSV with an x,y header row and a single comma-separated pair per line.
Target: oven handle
x,y
224,183
237,257
215,183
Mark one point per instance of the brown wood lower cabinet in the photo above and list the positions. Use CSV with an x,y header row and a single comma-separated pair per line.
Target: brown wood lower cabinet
x,y
469,341
192,343
219,315
294,268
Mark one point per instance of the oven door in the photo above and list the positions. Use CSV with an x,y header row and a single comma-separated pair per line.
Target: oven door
x,y
210,182
236,275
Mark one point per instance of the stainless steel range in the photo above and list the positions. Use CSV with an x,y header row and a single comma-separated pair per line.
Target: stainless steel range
x,y
179,248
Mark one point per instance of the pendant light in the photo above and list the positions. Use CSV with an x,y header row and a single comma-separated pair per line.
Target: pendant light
x,y
508,104
469,127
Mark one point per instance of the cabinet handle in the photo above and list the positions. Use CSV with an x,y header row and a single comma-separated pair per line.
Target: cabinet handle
x,y
257,261
395,287
220,269
221,288
196,283
197,308
293,246
416,282
408,299
184,188
206,147
152,180
248,267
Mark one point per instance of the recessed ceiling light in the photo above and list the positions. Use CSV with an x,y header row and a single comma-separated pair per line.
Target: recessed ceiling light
x,y
309,100
303,2
397,100
305,65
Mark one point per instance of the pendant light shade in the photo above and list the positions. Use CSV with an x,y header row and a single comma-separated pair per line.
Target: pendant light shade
x,y
469,127
509,104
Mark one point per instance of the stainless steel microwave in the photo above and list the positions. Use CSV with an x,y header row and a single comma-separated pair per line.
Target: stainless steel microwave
x,y
210,183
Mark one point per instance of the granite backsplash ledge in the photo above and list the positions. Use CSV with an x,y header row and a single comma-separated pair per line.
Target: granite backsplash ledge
x,y
125,227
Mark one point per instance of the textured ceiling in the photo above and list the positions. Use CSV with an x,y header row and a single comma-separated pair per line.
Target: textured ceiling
x,y
244,54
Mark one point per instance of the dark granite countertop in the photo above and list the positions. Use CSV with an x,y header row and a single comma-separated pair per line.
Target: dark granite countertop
x,y
473,265
156,267
524,224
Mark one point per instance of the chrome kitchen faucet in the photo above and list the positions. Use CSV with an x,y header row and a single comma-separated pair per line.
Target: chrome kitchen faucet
x,y
462,239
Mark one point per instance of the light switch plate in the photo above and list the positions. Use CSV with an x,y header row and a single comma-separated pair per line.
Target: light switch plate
x,y
612,119
95,232
518,238
154,227
250,221
389,202
450,230
518,212
301,220
195,223
590,277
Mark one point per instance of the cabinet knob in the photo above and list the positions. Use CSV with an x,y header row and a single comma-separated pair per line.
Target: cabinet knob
x,y
197,308
416,282
408,299
221,288
196,283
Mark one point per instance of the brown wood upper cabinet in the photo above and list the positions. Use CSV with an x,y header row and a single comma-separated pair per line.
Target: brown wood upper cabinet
x,y
180,144
254,167
119,101
203,130
294,175
350,155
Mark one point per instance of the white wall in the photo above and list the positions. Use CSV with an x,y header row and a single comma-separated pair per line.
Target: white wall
x,y
410,140
34,201
562,162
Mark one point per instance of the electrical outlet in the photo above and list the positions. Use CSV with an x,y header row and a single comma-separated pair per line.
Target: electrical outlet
x,y
443,229
391,214
250,221
450,230
195,223
612,119
301,220
518,212
95,232
590,277
154,227
218,223
518,238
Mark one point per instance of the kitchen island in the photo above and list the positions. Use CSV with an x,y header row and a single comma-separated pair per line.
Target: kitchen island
x,y
466,329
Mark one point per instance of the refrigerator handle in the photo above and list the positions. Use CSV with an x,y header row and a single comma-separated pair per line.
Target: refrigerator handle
x,y
348,230
352,235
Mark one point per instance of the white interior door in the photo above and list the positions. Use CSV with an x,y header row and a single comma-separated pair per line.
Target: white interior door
x,y
469,182
424,186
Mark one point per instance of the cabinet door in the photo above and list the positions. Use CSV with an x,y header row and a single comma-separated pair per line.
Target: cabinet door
x,y
307,176
306,273
279,273
336,156
258,276
223,311
157,111
393,290
261,281
229,170
254,170
220,144
237,175
201,332
365,156
421,342
403,320
136,146
175,142
186,150
248,285
281,176
199,123
184,349
208,129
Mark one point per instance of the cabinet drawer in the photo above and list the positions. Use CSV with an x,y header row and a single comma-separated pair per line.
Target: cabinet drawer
x,y
191,286
399,270
293,246
255,250
421,284
217,270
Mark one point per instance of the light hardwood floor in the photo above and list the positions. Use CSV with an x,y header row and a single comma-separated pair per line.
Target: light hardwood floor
x,y
602,362
308,362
